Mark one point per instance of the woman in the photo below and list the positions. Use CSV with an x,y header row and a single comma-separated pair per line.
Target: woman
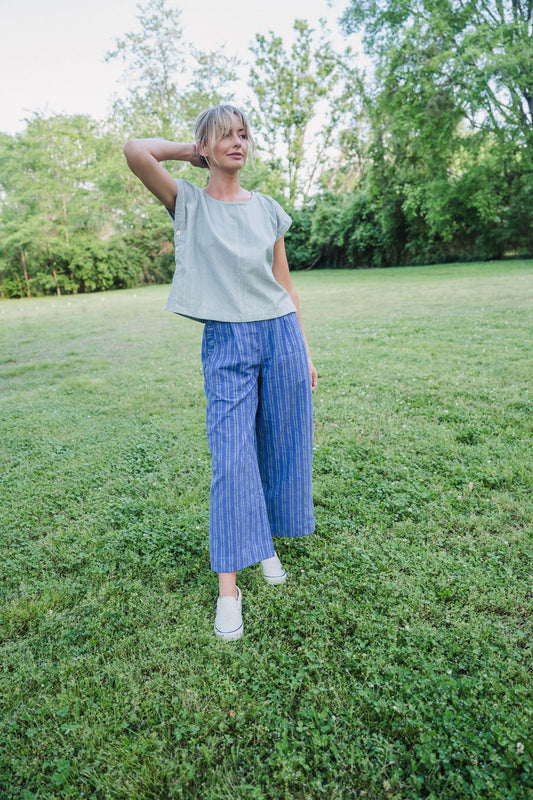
x,y
232,275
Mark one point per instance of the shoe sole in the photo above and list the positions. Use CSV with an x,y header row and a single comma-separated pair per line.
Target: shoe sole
x,y
275,580
229,636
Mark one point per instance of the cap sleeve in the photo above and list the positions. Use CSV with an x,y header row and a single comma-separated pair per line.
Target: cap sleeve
x,y
283,221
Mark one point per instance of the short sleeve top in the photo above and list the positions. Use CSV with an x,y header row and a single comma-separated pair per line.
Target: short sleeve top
x,y
224,256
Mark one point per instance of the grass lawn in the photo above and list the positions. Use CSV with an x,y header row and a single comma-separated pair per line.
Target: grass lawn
x,y
395,664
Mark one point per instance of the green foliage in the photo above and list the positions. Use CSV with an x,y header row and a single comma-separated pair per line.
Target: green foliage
x,y
474,55
302,251
169,81
395,662
448,165
293,87
429,160
61,220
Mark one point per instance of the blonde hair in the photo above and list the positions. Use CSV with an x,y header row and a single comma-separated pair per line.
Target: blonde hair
x,y
215,123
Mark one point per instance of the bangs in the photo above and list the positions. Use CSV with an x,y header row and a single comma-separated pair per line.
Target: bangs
x,y
224,120
215,123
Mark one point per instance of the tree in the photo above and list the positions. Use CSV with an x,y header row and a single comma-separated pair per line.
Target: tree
x,y
57,214
451,122
294,89
153,57
48,193
168,81
481,51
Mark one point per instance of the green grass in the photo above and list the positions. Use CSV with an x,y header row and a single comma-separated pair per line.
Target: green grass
x,y
396,662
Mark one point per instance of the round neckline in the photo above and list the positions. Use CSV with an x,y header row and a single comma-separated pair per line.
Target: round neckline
x,y
231,202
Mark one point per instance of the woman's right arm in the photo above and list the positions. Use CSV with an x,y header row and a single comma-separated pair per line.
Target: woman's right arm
x,y
144,158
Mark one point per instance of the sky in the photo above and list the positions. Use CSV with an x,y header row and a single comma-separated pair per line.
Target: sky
x,y
52,51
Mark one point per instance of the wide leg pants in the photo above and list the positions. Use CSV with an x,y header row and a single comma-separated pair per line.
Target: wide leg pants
x,y
259,431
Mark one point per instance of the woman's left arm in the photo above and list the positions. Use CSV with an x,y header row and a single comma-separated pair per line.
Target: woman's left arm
x,y
280,269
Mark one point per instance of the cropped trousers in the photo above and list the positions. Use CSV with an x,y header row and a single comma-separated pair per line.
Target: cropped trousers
x,y
259,431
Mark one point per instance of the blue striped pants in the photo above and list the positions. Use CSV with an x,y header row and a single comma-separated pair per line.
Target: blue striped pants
x,y
259,431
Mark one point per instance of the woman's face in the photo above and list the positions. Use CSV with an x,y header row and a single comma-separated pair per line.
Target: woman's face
x,y
230,152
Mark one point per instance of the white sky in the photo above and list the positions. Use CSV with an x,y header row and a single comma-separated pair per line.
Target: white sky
x,y
52,51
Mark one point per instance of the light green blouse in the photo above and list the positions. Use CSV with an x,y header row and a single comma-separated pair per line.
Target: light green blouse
x,y
224,256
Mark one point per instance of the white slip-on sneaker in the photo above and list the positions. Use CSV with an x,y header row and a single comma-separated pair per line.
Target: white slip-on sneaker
x,y
273,571
228,621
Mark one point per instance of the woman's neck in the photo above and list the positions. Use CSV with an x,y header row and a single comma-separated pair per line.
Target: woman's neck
x,y
226,187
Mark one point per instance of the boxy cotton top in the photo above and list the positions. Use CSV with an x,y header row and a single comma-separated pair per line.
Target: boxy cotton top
x,y
224,257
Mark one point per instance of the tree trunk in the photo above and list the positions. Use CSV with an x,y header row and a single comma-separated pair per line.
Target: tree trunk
x,y
25,269
58,290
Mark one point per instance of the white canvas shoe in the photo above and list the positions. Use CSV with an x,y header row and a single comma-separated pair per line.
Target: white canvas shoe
x,y
228,621
273,571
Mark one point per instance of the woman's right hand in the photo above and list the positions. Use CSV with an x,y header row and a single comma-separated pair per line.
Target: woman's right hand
x,y
197,160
